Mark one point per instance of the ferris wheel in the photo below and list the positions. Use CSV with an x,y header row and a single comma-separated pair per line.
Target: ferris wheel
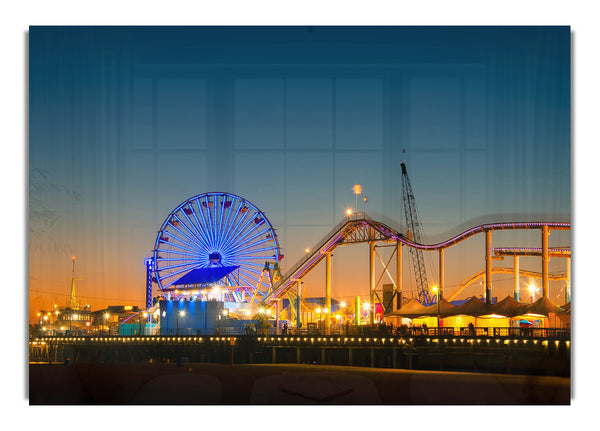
x,y
216,238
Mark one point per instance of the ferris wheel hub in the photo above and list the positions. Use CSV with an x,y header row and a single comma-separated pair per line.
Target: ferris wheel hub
x,y
215,257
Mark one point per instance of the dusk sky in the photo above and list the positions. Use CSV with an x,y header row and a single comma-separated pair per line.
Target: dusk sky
x,y
125,123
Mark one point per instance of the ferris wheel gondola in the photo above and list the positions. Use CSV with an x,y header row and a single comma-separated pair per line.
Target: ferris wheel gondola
x,y
215,235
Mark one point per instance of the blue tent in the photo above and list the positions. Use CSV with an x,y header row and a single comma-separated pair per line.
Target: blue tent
x,y
206,275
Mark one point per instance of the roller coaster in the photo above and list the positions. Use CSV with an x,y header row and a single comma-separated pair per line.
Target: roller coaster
x,y
360,228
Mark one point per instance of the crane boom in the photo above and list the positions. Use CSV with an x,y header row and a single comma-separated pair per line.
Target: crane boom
x,y
414,227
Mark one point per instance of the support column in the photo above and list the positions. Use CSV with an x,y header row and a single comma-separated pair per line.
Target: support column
x,y
357,310
298,301
277,317
568,287
398,275
441,286
372,283
328,292
516,290
488,266
149,267
545,259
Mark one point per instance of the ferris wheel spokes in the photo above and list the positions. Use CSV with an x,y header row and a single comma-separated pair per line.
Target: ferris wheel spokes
x,y
216,230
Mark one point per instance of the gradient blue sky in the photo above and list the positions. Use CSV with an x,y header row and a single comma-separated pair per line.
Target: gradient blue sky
x,y
126,123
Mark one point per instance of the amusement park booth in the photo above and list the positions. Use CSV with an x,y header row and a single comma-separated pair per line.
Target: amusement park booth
x,y
189,317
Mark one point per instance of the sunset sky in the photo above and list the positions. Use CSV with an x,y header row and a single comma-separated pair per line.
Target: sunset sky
x,y
125,123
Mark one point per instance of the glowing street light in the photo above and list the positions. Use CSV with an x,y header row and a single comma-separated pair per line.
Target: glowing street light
x,y
306,250
342,304
437,292
182,314
348,212
357,189
532,290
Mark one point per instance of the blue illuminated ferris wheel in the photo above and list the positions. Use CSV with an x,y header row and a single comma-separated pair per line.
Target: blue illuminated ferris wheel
x,y
215,238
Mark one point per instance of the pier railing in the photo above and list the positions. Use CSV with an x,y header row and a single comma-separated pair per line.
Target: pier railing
x,y
364,331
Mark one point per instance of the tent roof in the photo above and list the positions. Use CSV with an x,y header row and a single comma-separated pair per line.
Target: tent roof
x,y
446,309
509,307
206,275
542,306
473,307
412,308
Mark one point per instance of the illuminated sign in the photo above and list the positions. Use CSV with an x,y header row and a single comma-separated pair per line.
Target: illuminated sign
x,y
128,307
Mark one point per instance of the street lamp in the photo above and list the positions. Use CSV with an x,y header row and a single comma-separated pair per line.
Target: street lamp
x,y
532,292
182,314
436,290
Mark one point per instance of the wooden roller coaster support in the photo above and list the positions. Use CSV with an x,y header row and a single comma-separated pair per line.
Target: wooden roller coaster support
x,y
545,259
398,274
328,291
488,266
568,287
372,282
441,286
516,290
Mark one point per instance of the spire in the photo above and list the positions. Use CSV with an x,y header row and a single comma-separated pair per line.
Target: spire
x,y
73,300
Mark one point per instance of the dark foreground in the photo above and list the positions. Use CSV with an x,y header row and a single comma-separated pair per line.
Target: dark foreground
x,y
134,383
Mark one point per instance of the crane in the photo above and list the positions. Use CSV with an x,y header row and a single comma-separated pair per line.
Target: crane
x,y
414,233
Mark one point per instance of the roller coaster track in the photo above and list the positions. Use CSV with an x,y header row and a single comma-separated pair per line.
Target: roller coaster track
x,y
481,274
361,228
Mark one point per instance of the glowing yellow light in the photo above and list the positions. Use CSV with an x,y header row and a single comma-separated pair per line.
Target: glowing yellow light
x,y
306,250
532,288
338,317
145,314
128,307
434,289
343,304
318,310
357,189
325,310
366,305
349,212
45,317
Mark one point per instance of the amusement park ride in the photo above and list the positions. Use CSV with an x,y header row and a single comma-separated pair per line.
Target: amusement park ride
x,y
220,247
